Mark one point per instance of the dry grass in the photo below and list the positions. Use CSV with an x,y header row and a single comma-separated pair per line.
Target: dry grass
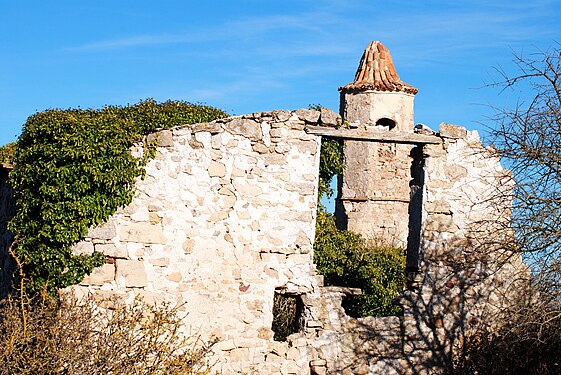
x,y
80,338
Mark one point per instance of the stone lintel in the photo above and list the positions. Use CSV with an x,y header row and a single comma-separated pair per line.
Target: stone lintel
x,y
342,290
374,136
373,199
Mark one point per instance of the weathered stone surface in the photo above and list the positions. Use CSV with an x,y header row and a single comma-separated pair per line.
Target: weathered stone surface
x,y
104,231
83,247
452,131
142,232
329,118
160,262
163,138
308,115
455,172
227,345
438,207
174,276
224,221
216,169
112,250
188,246
260,148
281,115
245,127
131,272
211,127
101,275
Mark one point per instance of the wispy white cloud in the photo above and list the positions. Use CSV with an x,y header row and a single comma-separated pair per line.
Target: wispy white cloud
x,y
132,41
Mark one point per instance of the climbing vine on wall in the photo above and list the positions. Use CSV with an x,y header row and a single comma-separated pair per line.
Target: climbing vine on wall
x,y
73,170
331,164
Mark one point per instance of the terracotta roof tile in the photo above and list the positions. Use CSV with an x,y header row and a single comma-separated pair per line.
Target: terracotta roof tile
x,y
377,72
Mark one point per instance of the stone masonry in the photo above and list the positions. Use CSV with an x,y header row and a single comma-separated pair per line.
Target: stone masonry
x,y
376,180
225,218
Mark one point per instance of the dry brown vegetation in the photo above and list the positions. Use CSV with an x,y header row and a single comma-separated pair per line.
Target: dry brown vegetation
x,y
65,337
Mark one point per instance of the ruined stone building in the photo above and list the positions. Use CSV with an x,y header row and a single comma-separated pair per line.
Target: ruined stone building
x,y
225,218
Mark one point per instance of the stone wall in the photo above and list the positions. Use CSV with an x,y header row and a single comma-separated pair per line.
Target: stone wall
x,y
225,218
464,274
375,185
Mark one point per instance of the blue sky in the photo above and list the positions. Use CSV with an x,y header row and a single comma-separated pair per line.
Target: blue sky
x,y
247,56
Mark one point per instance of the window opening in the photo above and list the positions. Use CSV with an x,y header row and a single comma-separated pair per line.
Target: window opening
x,y
287,315
389,123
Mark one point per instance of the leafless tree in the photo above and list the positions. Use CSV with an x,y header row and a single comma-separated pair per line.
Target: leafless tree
x,y
527,135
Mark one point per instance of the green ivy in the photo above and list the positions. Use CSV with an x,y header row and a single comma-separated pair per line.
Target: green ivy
x,y
73,169
331,164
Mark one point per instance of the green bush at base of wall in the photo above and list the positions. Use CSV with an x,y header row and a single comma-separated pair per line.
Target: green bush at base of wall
x,y
345,259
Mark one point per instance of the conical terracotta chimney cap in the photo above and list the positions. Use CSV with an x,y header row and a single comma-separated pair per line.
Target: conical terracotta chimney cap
x,y
377,72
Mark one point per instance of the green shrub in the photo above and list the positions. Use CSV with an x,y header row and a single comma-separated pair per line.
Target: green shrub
x,y
7,153
345,259
73,169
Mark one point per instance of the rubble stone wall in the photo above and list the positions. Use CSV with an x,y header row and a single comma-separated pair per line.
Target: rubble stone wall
x,y
225,217
463,276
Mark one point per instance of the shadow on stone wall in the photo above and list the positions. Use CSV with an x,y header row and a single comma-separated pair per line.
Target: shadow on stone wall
x,y
7,210
463,287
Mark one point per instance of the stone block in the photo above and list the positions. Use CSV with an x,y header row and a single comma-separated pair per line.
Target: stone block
x,y
142,232
308,115
101,275
227,345
112,250
154,218
194,143
216,169
163,138
83,248
174,276
329,118
318,366
452,131
455,172
260,148
188,246
245,189
211,127
133,273
245,127
281,115
104,231
160,262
